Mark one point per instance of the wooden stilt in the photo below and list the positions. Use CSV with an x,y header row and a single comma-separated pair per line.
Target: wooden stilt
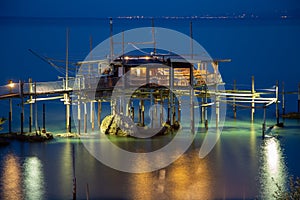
x,y
264,123
22,106
143,112
9,122
44,117
192,115
84,118
277,108
30,122
283,99
78,116
92,115
234,105
140,112
162,108
179,110
99,113
252,104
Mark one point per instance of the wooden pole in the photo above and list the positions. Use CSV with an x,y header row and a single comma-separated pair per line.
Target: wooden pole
x,y
87,192
173,109
264,123
9,120
79,116
234,105
35,107
68,116
205,110
162,107
111,39
31,109
84,118
153,36
22,106
143,113
74,173
99,113
191,40
92,115
277,109
179,110
252,104
192,115
44,117
140,112
283,99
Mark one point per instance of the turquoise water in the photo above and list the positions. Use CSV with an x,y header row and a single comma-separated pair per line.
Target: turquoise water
x,y
241,166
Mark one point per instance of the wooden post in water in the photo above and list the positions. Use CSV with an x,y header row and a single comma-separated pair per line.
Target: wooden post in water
x,y
283,99
252,104
143,112
173,109
92,115
264,123
205,110
151,106
68,116
277,109
10,85
162,108
35,108
44,117
66,95
132,111
22,105
99,113
192,115
78,115
179,110
9,121
30,104
140,112
171,94
84,118
234,105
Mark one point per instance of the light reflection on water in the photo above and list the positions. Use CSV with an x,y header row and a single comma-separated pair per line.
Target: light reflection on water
x,y
33,179
22,181
11,179
241,165
273,170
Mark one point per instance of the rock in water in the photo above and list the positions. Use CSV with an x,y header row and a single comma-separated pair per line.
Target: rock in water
x,y
123,126
106,123
117,125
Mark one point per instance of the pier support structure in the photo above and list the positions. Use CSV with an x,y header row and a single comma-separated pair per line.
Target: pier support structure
x,y
277,108
22,105
252,104
264,123
234,105
99,114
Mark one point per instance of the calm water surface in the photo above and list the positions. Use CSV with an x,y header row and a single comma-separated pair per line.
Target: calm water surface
x,y
241,166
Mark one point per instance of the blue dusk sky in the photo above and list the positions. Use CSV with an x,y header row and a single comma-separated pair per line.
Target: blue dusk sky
x,y
114,8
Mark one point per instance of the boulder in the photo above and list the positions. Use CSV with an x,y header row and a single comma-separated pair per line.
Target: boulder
x,y
123,126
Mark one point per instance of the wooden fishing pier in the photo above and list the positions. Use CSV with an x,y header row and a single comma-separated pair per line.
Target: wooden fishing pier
x,y
167,80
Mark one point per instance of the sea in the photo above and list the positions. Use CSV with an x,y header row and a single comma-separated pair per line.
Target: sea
x,y
241,165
